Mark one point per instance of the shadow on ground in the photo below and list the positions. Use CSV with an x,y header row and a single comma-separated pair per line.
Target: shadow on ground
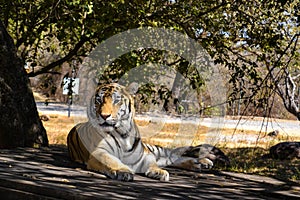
x,y
48,173
256,160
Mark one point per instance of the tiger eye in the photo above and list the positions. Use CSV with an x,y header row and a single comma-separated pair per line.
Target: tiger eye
x,y
117,98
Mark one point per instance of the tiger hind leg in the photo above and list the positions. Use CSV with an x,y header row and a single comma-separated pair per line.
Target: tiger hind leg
x,y
193,164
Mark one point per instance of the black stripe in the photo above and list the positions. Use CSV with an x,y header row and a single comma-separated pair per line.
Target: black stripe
x,y
70,144
129,107
111,147
137,159
80,147
135,144
116,141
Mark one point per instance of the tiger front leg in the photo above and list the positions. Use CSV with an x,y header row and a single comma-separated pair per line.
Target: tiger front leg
x,y
153,170
110,166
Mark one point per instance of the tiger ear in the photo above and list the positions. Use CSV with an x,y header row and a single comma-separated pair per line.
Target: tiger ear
x,y
132,88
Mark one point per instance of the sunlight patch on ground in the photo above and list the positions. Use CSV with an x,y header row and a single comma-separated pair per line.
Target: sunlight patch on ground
x,y
170,135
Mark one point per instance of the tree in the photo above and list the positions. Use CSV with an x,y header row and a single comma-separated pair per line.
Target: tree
x,y
19,123
257,41
263,52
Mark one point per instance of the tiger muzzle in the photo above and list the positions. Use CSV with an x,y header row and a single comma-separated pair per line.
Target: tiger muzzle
x,y
105,116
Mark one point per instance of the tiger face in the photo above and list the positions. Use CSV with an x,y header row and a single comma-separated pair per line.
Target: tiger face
x,y
113,106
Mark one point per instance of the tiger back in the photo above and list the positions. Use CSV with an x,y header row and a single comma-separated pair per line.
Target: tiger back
x,y
76,149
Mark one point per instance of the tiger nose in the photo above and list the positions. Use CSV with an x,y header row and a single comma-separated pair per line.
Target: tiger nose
x,y
105,116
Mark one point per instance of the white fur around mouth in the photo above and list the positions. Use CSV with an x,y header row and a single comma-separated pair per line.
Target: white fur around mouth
x,y
105,123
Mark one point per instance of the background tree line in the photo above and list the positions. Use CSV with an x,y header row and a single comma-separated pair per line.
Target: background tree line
x,y
256,41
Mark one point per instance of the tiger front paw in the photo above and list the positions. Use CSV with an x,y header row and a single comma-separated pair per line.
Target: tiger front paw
x,y
121,173
157,173
122,176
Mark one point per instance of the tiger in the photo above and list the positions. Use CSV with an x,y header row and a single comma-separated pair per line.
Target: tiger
x,y
110,142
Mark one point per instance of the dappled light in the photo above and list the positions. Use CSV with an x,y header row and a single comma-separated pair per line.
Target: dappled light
x,y
253,161
213,113
49,172
244,158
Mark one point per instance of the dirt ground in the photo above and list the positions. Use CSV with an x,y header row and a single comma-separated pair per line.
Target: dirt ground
x,y
48,173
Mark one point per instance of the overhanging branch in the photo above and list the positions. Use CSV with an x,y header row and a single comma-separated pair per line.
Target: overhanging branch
x,y
72,53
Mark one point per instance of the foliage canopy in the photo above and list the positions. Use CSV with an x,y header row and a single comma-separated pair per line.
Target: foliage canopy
x,y
256,41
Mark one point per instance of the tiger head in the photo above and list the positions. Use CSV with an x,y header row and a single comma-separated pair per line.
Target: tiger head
x,y
113,105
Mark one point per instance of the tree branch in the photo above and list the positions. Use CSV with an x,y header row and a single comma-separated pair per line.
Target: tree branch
x,y
72,53
213,9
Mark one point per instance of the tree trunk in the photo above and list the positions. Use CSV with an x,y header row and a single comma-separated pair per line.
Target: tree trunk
x,y
19,121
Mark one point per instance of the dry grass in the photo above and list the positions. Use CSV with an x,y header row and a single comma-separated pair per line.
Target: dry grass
x,y
58,128
38,97
245,156
168,135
